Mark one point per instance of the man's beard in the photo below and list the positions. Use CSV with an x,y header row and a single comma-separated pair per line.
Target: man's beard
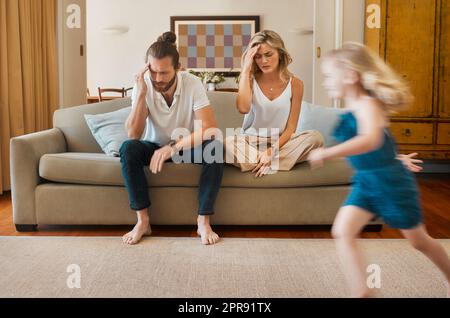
x,y
165,88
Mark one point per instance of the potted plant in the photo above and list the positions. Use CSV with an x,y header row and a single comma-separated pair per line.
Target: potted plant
x,y
210,79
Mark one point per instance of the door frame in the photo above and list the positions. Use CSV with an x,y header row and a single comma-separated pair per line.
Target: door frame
x,y
326,40
72,61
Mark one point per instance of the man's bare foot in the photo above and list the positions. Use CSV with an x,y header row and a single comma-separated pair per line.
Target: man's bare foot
x,y
208,236
134,236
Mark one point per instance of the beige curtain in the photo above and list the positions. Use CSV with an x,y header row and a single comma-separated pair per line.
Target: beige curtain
x,y
28,72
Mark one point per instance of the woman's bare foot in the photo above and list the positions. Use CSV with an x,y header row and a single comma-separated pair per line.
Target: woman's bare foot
x,y
142,228
208,236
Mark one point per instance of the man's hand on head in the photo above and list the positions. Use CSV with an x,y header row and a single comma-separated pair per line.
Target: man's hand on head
x,y
140,81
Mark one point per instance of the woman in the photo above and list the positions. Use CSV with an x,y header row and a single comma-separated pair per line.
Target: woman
x,y
270,97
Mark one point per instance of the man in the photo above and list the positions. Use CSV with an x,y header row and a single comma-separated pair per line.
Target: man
x,y
165,99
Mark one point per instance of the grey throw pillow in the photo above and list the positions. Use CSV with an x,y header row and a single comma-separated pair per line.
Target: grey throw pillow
x,y
320,118
108,130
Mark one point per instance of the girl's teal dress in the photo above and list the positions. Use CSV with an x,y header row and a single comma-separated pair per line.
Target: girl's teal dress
x,y
382,185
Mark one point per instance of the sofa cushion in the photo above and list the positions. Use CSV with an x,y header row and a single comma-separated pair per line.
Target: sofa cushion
x,y
225,111
79,138
320,118
73,125
100,169
109,129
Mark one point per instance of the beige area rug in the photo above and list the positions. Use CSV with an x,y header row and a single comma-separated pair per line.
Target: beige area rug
x,y
183,268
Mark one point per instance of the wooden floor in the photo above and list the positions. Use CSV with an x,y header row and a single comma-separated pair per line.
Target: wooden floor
x,y
435,197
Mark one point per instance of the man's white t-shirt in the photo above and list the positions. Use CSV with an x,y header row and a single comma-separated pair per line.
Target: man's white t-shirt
x,y
190,96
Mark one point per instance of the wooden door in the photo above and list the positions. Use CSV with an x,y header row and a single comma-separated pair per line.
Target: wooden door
x,y
410,49
444,72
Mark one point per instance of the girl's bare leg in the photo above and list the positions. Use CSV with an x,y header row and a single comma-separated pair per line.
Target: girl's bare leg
x,y
349,222
420,240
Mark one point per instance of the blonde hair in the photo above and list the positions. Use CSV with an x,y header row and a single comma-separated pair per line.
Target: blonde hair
x,y
275,41
377,78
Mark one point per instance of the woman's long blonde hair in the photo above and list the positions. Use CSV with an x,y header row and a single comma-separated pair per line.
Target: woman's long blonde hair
x,y
377,78
275,41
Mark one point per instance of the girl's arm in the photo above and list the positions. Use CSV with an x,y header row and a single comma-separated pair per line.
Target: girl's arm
x,y
410,163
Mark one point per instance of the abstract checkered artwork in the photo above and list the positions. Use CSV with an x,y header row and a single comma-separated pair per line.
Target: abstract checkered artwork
x,y
213,45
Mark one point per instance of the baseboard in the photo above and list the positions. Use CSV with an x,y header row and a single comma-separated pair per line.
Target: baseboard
x,y
436,166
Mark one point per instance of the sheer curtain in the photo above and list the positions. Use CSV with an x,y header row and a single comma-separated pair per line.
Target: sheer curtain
x,y
28,72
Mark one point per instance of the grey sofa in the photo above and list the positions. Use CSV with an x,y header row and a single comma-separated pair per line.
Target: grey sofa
x,y
61,176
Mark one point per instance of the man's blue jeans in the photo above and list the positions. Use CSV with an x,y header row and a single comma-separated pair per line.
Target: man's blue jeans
x,y
135,156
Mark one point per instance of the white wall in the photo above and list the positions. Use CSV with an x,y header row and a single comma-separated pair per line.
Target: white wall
x,y
354,19
114,59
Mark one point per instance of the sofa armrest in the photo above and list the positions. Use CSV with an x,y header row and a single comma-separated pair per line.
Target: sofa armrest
x,y
26,151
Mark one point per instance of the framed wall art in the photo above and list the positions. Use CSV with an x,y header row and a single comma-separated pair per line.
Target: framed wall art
x,y
213,43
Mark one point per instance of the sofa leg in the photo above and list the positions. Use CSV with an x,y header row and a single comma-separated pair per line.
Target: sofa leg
x,y
26,227
373,228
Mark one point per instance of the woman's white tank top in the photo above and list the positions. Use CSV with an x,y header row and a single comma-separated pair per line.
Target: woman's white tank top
x,y
268,118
